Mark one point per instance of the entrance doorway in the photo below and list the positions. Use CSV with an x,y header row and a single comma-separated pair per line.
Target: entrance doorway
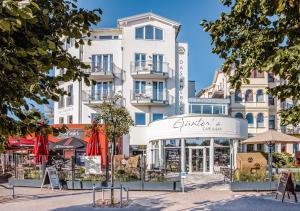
x,y
198,158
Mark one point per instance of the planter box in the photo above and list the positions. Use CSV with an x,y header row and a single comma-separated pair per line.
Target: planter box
x,y
77,185
151,186
253,186
35,183
88,185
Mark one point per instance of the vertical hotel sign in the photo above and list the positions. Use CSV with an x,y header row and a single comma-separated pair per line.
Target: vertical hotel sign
x,y
183,81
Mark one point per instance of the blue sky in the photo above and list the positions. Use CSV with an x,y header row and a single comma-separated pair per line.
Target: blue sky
x,y
189,13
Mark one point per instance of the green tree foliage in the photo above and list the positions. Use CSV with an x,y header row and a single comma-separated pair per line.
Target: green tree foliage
x,y
31,34
262,35
117,122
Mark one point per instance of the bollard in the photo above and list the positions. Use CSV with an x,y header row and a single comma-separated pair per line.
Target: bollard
x,y
121,190
94,196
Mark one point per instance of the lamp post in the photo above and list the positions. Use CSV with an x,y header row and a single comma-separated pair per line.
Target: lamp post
x,y
270,145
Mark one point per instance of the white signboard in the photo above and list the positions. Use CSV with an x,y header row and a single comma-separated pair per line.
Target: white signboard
x,y
198,126
92,164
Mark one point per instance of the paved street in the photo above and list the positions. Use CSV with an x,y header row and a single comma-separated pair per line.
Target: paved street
x,y
213,196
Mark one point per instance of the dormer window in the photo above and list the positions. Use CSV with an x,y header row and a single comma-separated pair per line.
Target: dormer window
x,y
148,33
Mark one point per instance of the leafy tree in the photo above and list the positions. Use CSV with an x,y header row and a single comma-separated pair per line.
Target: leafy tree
x,y
117,122
262,35
31,40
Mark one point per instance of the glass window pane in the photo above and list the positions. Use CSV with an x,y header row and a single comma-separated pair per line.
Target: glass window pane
x,y
158,34
139,33
207,109
196,109
217,109
249,118
140,119
149,32
157,116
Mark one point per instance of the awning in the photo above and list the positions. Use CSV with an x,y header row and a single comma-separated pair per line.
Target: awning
x,y
272,136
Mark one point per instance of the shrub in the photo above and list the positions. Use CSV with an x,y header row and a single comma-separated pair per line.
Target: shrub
x,y
282,159
247,176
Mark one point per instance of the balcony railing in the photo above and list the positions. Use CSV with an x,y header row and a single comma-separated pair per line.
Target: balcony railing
x,y
149,97
107,71
94,97
150,69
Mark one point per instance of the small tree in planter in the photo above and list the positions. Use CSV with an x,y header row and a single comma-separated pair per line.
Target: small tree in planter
x,y
117,122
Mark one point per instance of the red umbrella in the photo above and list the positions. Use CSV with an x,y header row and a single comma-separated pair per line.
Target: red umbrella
x,y
93,146
41,149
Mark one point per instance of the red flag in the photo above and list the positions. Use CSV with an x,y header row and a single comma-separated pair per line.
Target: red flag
x,y
41,149
93,146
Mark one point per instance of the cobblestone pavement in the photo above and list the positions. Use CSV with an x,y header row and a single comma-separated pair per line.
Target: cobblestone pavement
x,y
212,196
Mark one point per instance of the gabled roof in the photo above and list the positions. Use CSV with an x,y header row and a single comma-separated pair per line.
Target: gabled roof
x,y
148,15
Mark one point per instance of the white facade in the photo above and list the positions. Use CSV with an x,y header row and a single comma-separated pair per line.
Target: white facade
x,y
140,59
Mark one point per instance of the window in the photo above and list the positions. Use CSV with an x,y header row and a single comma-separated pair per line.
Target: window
x,y
139,33
107,37
249,118
102,63
61,120
157,61
102,90
249,96
283,147
149,33
158,34
61,102
239,115
257,74
272,122
157,116
217,109
260,147
260,120
271,77
196,109
250,147
70,95
140,60
271,100
158,90
70,119
140,119
259,96
93,116
207,109
140,87
295,148
238,96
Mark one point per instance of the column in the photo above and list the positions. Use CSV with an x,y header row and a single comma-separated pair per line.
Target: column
x,y
244,147
211,156
204,160
255,147
182,155
235,151
160,154
149,155
190,161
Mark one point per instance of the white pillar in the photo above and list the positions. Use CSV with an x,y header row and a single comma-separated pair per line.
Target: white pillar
x,y
244,146
182,155
211,156
160,154
204,160
255,147
235,151
190,161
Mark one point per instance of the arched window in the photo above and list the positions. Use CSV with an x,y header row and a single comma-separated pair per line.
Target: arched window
x,y
260,120
249,118
249,96
260,96
271,100
237,96
239,115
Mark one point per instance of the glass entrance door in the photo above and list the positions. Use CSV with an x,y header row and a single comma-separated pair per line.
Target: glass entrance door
x,y
198,159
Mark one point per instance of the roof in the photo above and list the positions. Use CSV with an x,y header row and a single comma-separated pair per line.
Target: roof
x,y
148,15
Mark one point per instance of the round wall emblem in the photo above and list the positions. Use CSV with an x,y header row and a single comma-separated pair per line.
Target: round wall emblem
x,y
250,159
181,50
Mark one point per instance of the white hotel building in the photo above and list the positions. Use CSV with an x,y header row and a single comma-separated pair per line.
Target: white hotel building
x,y
140,59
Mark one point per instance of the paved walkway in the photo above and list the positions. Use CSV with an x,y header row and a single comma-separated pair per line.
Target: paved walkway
x,y
212,196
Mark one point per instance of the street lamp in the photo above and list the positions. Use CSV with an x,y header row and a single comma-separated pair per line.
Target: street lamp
x,y
270,145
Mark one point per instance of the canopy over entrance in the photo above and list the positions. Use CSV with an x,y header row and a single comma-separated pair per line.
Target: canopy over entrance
x,y
271,136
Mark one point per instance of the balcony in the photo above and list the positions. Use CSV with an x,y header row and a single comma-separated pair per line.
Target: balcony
x,y
149,70
218,93
148,98
107,72
248,104
94,99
